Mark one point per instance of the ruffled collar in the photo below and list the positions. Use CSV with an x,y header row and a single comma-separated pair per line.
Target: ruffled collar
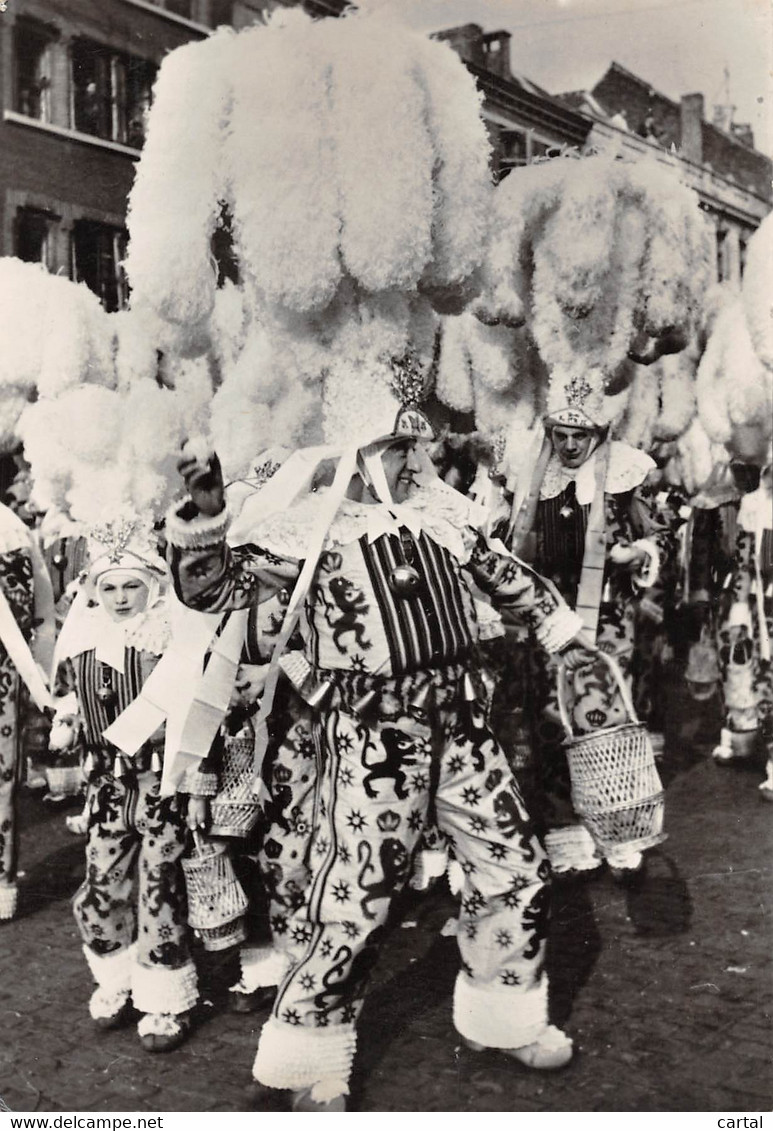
x,y
446,515
628,468
88,627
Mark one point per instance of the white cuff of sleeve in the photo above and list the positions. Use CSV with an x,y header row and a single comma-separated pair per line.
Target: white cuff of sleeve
x,y
199,783
739,616
561,626
650,568
195,533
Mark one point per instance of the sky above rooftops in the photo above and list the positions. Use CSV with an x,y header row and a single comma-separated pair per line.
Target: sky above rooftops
x,y
678,47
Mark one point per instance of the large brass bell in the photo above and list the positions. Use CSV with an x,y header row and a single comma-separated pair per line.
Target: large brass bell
x,y
404,580
106,696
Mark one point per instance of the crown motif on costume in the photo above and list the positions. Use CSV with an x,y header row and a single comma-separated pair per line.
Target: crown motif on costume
x,y
264,471
388,822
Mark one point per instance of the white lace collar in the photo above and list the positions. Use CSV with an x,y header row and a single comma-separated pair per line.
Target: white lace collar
x,y
88,627
445,515
628,468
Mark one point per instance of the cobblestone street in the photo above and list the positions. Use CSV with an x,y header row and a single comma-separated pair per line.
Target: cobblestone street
x,y
665,986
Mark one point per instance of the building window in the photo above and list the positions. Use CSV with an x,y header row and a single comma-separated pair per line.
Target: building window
x,y
180,8
722,264
112,92
98,252
33,236
32,53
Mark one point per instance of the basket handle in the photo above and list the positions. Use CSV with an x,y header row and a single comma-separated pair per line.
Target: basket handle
x,y
198,842
619,679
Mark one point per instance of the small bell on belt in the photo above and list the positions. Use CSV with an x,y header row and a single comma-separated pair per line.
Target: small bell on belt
x,y
89,765
155,762
365,702
606,595
469,690
319,694
119,767
419,705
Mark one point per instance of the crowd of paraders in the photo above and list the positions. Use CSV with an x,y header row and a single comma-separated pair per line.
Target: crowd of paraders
x,y
270,714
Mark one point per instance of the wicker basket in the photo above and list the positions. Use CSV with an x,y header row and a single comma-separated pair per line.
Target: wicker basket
x,y
216,899
615,784
64,781
235,810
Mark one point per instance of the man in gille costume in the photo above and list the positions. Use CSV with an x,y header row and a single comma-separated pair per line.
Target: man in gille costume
x,y
387,619
586,520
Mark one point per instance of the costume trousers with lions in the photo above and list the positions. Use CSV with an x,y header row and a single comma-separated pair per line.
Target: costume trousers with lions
x,y
383,783
133,833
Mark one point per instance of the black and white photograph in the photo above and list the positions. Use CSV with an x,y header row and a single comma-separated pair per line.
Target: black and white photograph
x,y
386,560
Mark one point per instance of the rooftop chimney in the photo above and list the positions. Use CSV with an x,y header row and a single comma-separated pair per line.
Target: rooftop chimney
x,y
496,49
691,123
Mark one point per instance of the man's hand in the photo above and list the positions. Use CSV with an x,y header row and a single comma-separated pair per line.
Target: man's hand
x,y
198,813
250,679
628,556
578,652
203,478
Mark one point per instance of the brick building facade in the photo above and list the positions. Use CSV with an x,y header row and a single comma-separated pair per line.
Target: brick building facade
x,y
717,159
76,81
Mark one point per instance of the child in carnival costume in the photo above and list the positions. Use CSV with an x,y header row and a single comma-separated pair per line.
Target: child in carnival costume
x,y
130,909
585,517
388,625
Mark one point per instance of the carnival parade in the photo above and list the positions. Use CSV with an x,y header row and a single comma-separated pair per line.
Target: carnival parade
x,y
353,563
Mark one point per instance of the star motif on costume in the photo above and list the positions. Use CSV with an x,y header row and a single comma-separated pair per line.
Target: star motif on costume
x,y
356,821
348,1014
326,949
344,742
471,930
321,1020
510,978
341,891
357,663
419,781
279,924
471,795
518,883
511,899
351,930
307,981
291,1016
321,846
301,933
456,764
415,820
503,938
498,851
345,775
344,855
473,903
467,867
477,824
